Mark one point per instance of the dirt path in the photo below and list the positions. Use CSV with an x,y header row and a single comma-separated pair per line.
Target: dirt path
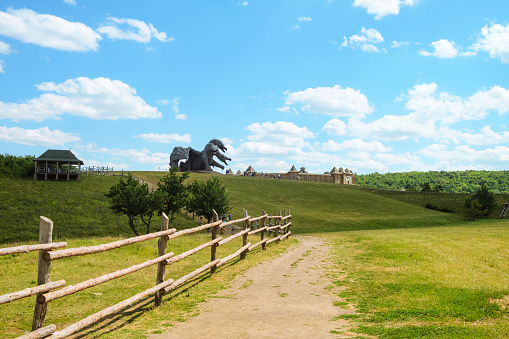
x,y
282,298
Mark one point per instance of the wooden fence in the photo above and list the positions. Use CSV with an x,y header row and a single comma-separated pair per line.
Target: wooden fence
x,y
47,290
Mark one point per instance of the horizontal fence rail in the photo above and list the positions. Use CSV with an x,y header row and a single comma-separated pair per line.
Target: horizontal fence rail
x,y
47,290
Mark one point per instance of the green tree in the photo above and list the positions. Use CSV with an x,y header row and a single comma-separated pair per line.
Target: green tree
x,y
208,196
426,187
172,195
132,199
485,198
474,210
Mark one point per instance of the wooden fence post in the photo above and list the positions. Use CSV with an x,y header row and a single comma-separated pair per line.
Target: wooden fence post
x,y
278,222
44,271
213,248
262,233
244,236
161,267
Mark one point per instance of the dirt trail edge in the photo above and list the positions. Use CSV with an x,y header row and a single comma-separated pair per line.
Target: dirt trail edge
x,y
284,297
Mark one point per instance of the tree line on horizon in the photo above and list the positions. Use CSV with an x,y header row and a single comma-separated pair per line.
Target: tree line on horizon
x,y
496,182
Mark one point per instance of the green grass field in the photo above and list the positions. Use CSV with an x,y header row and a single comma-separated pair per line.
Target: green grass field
x,y
409,271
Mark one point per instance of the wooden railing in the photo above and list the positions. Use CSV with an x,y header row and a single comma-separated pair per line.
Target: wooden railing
x,y
48,290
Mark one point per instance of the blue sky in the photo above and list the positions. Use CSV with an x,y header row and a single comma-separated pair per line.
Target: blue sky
x,y
369,85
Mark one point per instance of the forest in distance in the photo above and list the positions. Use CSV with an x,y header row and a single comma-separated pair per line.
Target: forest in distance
x,y
443,181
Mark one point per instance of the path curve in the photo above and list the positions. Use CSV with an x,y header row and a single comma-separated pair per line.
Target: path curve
x,y
284,297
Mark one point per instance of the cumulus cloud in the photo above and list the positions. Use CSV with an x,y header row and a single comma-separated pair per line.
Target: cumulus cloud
x,y
381,8
41,136
2,64
429,108
5,48
443,49
99,98
305,19
447,108
366,40
397,44
47,30
496,155
271,139
334,101
143,156
164,138
495,41
486,136
335,127
132,29
394,127
355,145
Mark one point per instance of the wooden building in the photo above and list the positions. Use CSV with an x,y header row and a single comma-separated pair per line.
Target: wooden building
x,y
55,164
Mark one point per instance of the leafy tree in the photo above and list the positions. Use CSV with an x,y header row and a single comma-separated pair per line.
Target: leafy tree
x,y
426,187
485,198
172,195
474,210
15,166
208,196
132,199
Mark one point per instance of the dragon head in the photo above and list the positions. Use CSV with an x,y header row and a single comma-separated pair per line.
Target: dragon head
x,y
219,144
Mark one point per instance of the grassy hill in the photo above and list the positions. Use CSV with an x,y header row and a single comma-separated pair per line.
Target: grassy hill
x,y
409,271
323,207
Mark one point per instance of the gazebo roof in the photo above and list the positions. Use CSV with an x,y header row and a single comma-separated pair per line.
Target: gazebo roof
x,y
250,169
60,156
293,169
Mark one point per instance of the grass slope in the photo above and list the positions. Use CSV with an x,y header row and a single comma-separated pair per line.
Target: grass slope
x,y
78,209
323,207
410,271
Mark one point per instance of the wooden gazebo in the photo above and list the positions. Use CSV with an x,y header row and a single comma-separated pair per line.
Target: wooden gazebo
x,y
55,163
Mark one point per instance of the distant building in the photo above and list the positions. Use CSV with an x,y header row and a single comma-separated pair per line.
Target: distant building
x,y
57,164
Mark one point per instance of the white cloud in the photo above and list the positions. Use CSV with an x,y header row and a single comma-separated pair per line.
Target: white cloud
x,y
2,64
496,155
486,136
270,138
181,116
99,98
443,49
381,8
70,2
132,29
393,127
357,145
175,105
398,159
143,156
295,27
447,108
335,127
366,40
334,101
304,18
41,136
48,31
495,41
164,138
428,108
396,44
5,48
